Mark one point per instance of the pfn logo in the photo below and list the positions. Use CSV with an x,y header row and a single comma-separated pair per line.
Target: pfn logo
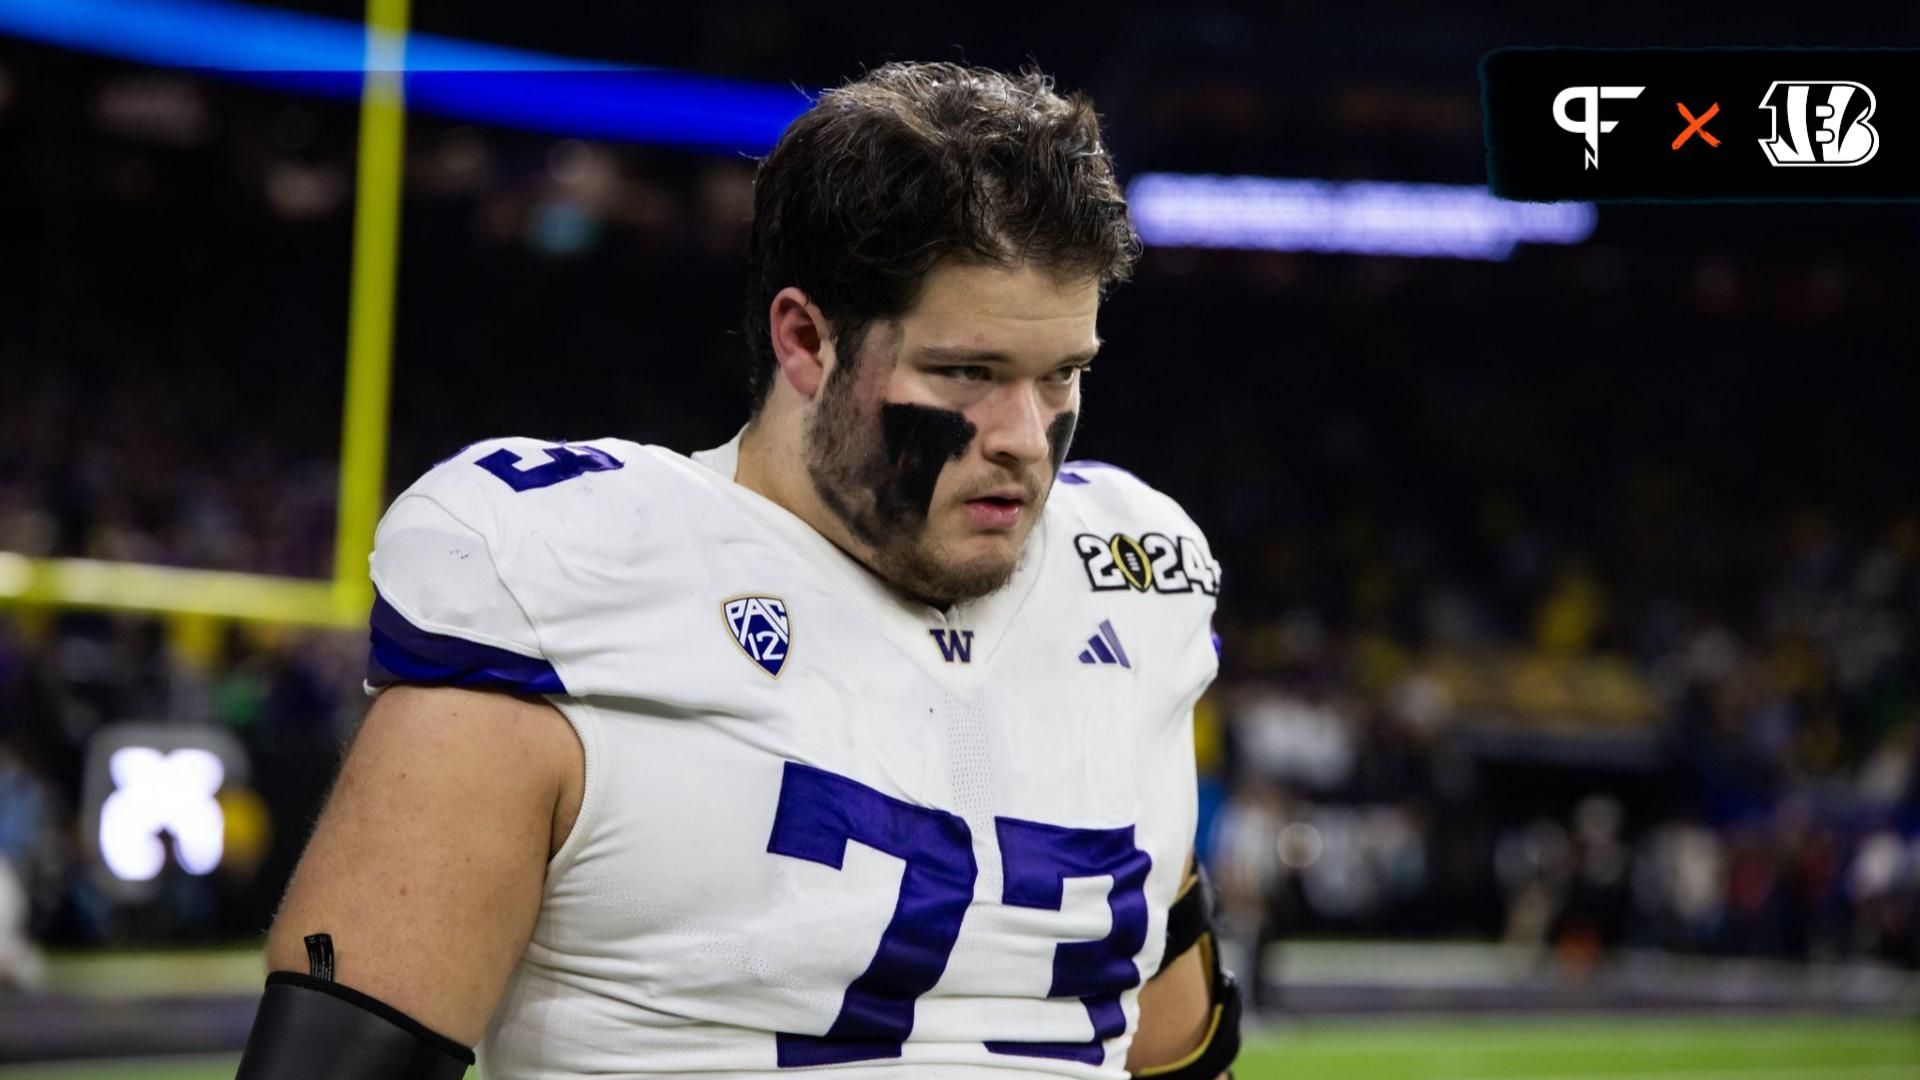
x,y
1589,123
1826,124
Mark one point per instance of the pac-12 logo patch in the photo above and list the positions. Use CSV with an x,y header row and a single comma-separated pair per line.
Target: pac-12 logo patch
x,y
761,629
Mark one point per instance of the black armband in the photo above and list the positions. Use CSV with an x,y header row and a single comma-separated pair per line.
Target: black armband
x,y
1190,917
314,1029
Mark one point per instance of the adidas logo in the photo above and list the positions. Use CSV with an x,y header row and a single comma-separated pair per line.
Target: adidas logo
x,y
1105,648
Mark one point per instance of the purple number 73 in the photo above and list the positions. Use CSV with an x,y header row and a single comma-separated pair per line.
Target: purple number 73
x,y
819,812
563,463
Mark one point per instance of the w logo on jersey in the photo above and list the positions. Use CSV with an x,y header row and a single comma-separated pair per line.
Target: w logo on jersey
x,y
954,645
761,629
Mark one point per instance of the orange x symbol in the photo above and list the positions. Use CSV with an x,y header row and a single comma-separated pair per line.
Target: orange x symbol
x,y
1699,125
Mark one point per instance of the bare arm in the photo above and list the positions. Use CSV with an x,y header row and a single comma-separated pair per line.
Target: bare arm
x,y
1174,1011
428,862
1176,1007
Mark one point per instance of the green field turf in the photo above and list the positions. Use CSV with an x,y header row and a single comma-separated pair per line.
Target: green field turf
x,y
1766,1048
1535,1049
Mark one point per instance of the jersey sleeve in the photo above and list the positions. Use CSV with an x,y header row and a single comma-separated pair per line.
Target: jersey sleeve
x,y
443,614
1140,545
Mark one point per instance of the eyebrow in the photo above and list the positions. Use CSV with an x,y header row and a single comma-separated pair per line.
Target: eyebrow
x,y
952,354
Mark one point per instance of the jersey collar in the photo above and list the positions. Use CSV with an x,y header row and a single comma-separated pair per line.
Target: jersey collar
x,y
990,617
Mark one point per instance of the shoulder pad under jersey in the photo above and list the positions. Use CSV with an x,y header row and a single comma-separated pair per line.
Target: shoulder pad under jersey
x,y
1130,536
462,556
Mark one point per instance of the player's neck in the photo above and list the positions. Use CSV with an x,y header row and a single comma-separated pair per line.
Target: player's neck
x,y
771,465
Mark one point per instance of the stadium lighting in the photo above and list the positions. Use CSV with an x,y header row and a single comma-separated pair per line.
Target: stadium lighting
x,y
153,792
150,789
447,76
1363,217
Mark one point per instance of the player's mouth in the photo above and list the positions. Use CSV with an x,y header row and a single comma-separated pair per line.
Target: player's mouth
x,y
998,510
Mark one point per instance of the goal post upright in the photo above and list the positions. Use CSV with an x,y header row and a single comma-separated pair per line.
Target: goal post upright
x,y
344,600
376,244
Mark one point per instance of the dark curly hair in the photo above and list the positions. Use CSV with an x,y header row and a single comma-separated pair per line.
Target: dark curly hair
x,y
915,162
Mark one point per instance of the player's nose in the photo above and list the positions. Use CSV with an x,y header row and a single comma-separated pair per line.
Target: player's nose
x,y
1013,430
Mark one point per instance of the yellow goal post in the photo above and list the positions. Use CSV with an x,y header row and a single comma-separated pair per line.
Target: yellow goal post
x,y
197,596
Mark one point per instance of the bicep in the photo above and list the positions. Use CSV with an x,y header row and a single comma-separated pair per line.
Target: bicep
x,y
428,863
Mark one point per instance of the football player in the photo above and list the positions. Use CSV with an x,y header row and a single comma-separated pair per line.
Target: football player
x,y
860,744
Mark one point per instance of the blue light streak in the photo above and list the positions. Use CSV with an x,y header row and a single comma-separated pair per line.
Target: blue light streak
x,y
461,79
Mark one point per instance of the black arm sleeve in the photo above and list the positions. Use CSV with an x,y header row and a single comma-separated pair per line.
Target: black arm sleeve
x,y
310,1029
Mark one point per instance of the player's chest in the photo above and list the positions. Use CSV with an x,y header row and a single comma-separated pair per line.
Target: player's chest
x,y
975,716
772,648
851,810
865,860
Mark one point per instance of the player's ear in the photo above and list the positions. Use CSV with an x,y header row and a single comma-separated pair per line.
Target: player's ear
x,y
799,341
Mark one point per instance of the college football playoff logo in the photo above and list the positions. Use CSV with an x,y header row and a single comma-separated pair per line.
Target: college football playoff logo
x,y
1151,562
760,627
1825,124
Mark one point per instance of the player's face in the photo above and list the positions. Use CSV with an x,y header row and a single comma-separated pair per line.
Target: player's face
x,y
938,449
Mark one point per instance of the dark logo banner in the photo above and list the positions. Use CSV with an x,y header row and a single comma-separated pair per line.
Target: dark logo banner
x,y
1702,124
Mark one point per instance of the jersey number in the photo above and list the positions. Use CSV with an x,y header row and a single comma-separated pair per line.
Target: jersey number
x,y
563,463
820,812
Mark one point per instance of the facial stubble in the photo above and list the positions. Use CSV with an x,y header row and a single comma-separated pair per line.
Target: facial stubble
x,y
879,479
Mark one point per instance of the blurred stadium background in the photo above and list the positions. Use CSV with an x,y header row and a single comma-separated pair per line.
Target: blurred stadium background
x,y
1569,722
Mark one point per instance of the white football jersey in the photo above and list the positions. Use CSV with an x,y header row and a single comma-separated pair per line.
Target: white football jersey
x,y
824,827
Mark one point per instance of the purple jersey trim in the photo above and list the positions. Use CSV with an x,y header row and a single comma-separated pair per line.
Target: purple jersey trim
x,y
1095,465
404,653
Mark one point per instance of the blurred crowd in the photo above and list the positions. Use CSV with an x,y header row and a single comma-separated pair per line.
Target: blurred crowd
x,y
1757,794
287,699
1570,600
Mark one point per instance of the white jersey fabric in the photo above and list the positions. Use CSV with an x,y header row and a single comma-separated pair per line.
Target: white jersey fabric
x,y
825,828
